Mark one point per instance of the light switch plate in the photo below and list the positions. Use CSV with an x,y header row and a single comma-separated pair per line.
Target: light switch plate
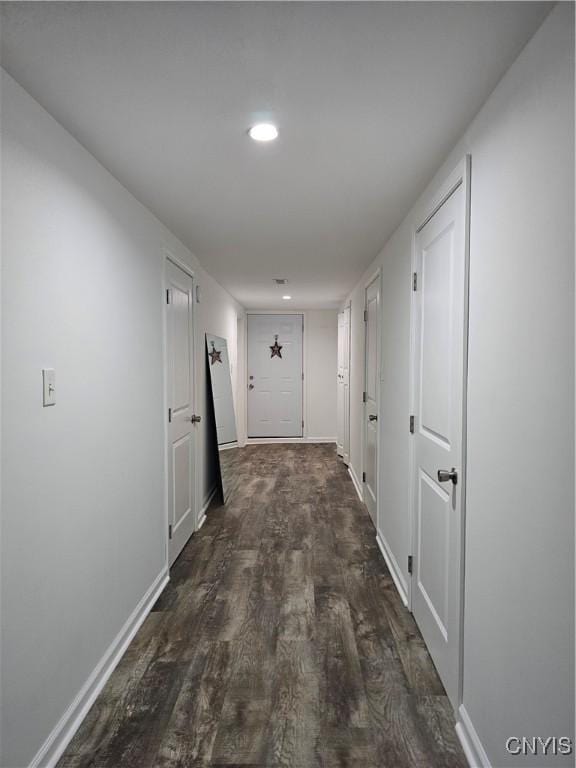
x,y
49,386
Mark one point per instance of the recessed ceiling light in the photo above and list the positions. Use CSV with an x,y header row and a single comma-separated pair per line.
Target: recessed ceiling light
x,y
263,132
286,298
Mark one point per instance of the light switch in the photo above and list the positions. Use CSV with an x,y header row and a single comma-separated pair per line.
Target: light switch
x,y
49,381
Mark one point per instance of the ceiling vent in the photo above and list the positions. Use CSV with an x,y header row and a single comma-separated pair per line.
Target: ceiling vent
x,y
280,280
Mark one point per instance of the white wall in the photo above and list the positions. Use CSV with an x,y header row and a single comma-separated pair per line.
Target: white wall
x,y
321,329
519,645
83,525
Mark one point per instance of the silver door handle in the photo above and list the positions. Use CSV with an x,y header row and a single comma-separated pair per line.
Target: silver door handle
x,y
250,386
372,417
195,419
444,475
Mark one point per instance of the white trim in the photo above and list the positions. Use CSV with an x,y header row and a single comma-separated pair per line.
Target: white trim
x,y
206,503
471,744
61,735
280,440
394,568
357,484
227,446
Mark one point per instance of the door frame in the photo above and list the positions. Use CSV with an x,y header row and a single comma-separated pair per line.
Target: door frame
x,y
265,440
433,201
347,308
376,275
168,256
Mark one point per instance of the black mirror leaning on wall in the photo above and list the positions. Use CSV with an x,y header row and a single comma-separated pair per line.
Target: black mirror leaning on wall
x,y
222,418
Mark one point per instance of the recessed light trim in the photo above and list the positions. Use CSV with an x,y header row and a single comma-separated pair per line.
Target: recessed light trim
x,y
263,132
286,298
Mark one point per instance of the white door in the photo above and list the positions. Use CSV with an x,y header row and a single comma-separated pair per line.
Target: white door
x,y
371,386
181,424
343,386
439,367
275,375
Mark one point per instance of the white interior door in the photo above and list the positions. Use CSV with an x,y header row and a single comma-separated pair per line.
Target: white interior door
x,y
439,366
181,424
371,386
343,386
275,375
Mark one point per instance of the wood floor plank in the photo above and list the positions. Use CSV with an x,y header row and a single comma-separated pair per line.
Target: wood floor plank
x,y
297,613
281,642
292,733
189,735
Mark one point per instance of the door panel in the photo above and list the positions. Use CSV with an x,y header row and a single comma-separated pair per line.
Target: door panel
x,y
275,380
346,384
440,345
182,460
180,388
371,388
436,327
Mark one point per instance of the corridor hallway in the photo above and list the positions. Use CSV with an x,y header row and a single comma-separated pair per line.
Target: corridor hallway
x,y
279,641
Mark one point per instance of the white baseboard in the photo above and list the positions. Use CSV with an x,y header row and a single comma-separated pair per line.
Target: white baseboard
x,y
287,440
471,744
356,482
61,735
394,569
227,446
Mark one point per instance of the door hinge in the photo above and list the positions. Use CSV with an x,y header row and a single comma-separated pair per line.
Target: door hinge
x,y
415,281
409,563
363,477
302,423
363,397
411,425
170,531
169,415
365,315
168,292
302,377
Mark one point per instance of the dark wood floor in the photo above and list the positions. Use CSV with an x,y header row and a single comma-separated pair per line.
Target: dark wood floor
x,y
280,641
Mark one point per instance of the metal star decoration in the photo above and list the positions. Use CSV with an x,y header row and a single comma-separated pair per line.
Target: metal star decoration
x,y
275,348
215,356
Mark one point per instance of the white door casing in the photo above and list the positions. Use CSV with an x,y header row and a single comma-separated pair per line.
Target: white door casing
x,y
180,398
371,389
440,308
275,382
343,386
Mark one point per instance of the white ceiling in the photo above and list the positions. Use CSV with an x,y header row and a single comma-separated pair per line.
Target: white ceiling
x,y
368,97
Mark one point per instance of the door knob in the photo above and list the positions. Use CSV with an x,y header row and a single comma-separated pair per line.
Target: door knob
x,y
372,417
444,475
250,386
195,419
